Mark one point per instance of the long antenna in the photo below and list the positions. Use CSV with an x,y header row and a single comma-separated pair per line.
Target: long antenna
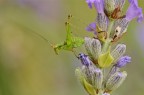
x,y
84,23
29,29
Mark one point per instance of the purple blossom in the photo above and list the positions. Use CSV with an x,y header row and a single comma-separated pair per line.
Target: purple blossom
x,y
134,11
90,2
91,27
99,5
84,59
140,17
123,61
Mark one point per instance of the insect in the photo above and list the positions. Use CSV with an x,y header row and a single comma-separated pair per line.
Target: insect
x,y
69,44
71,41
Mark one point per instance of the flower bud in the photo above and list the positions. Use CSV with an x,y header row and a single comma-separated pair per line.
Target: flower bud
x,y
97,78
88,47
119,3
119,28
96,48
118,51
123,61
93,48
87,86
88,73
109,6
115,81
113,70
101,22
113,8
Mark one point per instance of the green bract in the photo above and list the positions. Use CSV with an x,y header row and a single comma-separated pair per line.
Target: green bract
x,y
105,60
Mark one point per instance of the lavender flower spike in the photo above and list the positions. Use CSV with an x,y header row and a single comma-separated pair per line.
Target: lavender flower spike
x,y
123,61
134,11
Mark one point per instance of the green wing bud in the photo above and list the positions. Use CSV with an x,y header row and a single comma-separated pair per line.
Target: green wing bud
x,y
77,42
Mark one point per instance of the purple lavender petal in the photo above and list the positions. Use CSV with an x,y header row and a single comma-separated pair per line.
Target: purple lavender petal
x,y
90,2
99,5
140,17
84,59
123,61
91,27
134,1
134,11
90,5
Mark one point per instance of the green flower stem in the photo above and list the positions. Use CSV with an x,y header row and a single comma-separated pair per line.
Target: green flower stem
x,y
106,45
108,40
111,23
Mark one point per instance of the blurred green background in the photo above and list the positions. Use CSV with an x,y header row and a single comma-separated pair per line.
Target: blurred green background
x,y
29,66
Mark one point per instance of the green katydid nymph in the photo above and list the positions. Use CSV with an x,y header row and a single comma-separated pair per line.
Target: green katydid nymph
x,y
69,44
71,41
